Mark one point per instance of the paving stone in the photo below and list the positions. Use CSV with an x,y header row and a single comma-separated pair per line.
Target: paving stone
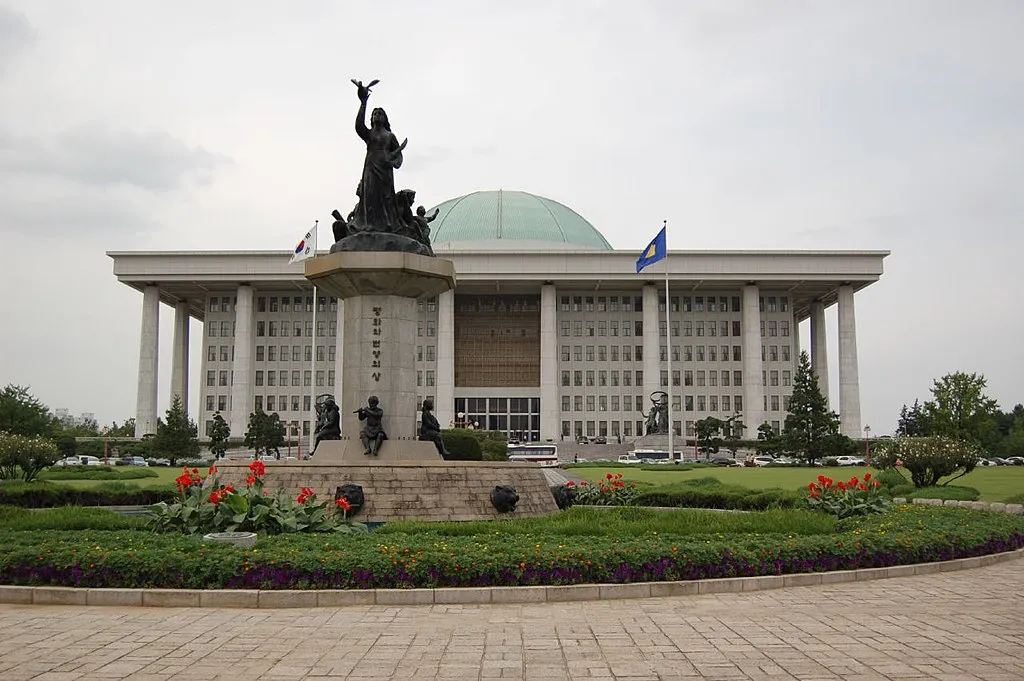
x,y
114,597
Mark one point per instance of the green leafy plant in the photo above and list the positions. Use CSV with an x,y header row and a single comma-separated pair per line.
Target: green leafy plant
x,y
208,506
612,491
846,499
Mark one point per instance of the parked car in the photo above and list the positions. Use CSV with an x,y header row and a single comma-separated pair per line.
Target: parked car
x,y
69,461
849,461
161,462
763,460
725,461
1015,461
629,458
133,461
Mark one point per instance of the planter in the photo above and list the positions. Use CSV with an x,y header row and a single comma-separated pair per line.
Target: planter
x,y
242,540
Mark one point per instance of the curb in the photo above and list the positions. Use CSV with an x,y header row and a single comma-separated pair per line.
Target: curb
x,y
253,598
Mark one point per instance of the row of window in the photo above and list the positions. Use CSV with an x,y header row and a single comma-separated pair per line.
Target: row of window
x,y
430,356
636,402
296,304
710,353
430,378
297,353
689,303
275,378
285,329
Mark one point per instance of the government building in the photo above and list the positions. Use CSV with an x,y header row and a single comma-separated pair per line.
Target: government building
x,y
550,334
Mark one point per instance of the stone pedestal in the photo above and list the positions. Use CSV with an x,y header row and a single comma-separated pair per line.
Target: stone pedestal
x,y
380,290
349,451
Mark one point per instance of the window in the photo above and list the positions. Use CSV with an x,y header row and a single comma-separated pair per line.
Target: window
x,y
785,353
271,405
712,329
775,402
702,403
226,330
430,377
737,401
688,402
773,328
687,304
307,379
627,329
261,304
261,328
614,328
725,378
283,378
725,403
211,378
211,353
222,402
602,328
736,353
564,304
700,329
566,403
688,378
602,378
602,353
590,378
675,377
577,403
564,328
320,375
713,378
577,353
590,353
711,304
260,353
271,378
577,378
565,353
212,329
297,329
662,329
698,304
296,377
663,353
687,328
713,403
295,402
431,328
627,378
700,353
712,353
590,329
700,379
602,403
723,328
785,378
736,328
785,328
615,378
664,379
737,379
638,352
774,379
590,403
223,378
565,378
307,353
627,353
296,353
209,402
638,328
309,329
271,353
687,353
615,353
320,353
332,329
639,379
577,328
675,353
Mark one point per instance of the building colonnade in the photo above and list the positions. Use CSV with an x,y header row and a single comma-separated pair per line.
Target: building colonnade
x,y
242,387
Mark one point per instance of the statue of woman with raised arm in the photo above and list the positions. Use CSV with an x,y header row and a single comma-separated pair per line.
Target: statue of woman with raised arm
x,y
383,157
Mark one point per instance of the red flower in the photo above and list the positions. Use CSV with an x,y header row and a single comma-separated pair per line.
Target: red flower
x,y
258,468
876,483
230,488
815,494
250,480
343,504
841,485
305,494
571,483
867,476
609,476
583,484
213,470
218,495
811,487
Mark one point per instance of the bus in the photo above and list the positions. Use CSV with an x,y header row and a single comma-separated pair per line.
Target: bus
x,y
658,456
545,455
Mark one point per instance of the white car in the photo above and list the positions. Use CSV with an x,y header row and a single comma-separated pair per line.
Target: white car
x,y
763,461
628,458
849,461
69,461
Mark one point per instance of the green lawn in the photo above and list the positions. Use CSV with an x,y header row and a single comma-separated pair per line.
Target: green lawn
x,y
165,475
995,483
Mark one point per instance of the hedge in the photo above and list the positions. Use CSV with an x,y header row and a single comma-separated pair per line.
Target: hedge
x,y
710,492
41,495
462,447
129,558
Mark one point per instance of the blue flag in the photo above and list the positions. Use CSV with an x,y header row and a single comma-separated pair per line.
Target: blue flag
x,y
655,251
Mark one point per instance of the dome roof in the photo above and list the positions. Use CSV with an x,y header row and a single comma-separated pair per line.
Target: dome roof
x,y
511,220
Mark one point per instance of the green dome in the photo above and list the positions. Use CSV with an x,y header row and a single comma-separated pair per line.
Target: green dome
x,y
512,220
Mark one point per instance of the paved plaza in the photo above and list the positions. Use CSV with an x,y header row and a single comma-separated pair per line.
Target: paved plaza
x,y
957,626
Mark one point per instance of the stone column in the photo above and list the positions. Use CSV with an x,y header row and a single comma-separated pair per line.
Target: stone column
x,y
819,347
550,407
753,382
149,350
241,367
651,345
380,360
179,353
796,339
849,379
444,399
339,361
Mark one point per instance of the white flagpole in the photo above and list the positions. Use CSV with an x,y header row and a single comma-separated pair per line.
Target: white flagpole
x,y
668,343
312,359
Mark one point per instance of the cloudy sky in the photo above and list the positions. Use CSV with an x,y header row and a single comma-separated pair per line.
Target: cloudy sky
x,y
760,124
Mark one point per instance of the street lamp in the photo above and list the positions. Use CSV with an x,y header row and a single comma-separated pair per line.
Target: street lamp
x,y
867,444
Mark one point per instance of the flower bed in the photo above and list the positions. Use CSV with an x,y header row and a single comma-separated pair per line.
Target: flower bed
x,y
905,534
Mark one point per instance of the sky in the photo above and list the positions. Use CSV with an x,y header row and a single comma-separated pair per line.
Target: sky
x,y
758,124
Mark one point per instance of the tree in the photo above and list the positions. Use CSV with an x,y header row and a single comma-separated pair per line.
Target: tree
x,y
733,431
768,442
23,414
25,457
708,436
219,434
960,409
126,430
810,423
265,433
929,459
177,437
913,422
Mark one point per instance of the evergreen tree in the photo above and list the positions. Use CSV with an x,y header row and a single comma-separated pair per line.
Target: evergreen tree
x,y
265,433
219,434
809,424
177,436
768,443
913,422
708,436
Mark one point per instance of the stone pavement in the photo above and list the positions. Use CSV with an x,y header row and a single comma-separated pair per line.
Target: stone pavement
x,y
959,626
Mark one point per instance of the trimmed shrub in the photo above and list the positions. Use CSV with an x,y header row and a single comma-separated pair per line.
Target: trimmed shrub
x,y
956,492
1015,499
68,518
462,447
710,493
97,473
44,495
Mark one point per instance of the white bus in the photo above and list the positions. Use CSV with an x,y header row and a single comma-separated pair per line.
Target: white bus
x,y
545,455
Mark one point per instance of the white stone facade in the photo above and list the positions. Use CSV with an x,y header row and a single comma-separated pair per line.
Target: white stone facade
x,y
601,348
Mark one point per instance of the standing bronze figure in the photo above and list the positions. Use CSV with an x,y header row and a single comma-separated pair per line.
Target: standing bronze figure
x,y
373,433
430,428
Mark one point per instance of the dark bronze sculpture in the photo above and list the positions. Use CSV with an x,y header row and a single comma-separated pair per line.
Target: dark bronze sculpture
x,y
430,428
657,419
373,433
354,494
328,421
504,498
382,219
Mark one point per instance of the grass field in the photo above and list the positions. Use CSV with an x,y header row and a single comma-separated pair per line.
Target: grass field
x,y
995,483
164,477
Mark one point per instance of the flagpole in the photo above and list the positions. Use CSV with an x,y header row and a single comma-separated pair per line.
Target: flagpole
x,y
668,348
312,358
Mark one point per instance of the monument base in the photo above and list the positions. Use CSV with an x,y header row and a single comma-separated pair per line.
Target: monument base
x,y
422,490
391,451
